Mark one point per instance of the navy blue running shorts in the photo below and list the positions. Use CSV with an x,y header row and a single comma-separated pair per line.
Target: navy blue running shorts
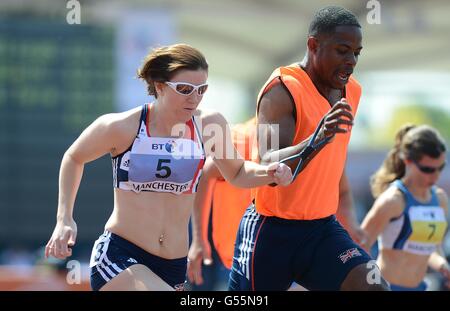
x,y
112,254
271,253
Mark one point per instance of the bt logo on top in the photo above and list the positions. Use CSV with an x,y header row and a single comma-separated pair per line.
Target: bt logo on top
x,y
170,146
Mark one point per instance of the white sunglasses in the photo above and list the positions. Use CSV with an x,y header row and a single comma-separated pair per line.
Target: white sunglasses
x,y
184,88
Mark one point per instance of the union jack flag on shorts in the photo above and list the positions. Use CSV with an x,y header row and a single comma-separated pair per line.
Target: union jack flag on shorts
x,y
349,254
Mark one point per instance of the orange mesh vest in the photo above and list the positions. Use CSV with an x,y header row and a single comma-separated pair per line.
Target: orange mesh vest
x,y
315,192
230,202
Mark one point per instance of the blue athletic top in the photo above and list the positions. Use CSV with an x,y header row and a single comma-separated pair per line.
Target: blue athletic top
x,y
160,164
419,229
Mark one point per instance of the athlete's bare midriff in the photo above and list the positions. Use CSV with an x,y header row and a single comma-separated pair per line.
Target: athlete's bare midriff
x,y
156,222
402,268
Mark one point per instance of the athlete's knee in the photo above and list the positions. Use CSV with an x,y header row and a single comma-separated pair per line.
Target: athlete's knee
x,y
383,286
365,277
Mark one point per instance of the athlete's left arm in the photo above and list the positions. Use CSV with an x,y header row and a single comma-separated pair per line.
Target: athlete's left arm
x,y
346,212
245,174
437,260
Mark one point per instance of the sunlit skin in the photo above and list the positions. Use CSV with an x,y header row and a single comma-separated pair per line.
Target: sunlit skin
x,y
421,180
332,59
178,108
397,266
157,222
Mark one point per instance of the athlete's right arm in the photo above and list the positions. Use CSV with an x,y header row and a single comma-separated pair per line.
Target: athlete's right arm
x,y
107,134
276,112
387,206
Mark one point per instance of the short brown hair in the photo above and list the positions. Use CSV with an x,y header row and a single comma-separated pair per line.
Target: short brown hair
x,y
162,63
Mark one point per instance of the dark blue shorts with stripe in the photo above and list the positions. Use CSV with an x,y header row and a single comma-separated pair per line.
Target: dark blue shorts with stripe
x,y
112,254
271,253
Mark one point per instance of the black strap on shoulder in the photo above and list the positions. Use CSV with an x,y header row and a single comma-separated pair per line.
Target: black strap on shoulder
x,y
143,118
144,113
